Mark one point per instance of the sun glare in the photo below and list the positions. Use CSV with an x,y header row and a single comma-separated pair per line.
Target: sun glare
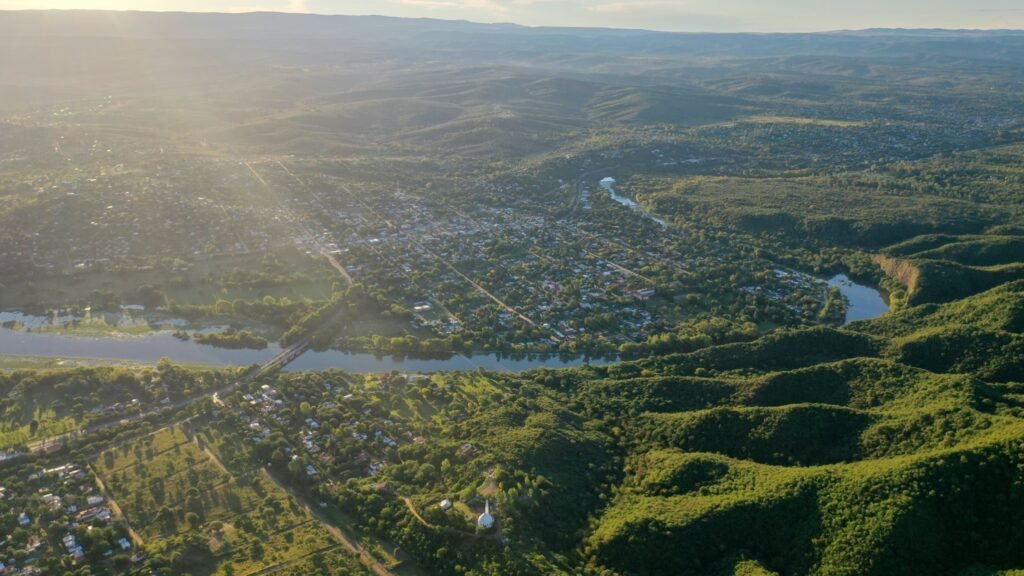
x,y
159,5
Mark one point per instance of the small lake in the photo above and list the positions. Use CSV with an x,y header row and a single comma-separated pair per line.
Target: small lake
x,y
865,302
150,348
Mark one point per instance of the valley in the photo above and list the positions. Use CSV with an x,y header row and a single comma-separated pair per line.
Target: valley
x,y
294,294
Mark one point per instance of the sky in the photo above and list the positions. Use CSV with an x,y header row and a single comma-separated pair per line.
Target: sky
x,y
675,15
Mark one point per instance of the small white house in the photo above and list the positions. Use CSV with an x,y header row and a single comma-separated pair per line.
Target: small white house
x,y
445,505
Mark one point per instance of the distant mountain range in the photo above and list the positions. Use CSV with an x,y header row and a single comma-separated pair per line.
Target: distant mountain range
x,y
276,79
266,25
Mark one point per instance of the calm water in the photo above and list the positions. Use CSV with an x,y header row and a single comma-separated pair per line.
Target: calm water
x,y
865,302
150,348
630,203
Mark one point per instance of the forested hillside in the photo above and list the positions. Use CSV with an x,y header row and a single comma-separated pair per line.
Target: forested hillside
x,y
871,449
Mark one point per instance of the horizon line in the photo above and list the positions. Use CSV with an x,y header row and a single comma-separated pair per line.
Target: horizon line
x,y
509,23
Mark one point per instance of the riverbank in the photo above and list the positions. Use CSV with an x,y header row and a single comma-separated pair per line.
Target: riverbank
x,y
149,349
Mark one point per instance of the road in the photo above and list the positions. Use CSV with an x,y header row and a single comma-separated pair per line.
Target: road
x,y
476,285
415,512
115,508
487,294
618,267
309,237
282,359
578,187
54,443
349,542
337,265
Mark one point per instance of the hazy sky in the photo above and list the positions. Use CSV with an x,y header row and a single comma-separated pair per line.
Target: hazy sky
x,y
686,15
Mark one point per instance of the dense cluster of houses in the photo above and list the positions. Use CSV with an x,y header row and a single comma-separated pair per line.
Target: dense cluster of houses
x,y
67,497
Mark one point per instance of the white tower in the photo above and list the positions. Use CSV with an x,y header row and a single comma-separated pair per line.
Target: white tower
x,y
486,521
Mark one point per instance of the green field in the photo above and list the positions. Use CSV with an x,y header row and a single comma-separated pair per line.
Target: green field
x,y
245,521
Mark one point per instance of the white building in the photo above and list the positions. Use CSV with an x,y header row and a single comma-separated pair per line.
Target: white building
x,y
486,521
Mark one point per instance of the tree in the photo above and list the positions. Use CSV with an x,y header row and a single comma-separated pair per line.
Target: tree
x,y
151,296
167,520
224,308
122,562
295,468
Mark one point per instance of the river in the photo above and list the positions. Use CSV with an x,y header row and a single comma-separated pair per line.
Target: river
x,y
609,185
864,303
151,347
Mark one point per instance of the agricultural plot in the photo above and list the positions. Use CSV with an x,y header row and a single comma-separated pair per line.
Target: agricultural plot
x,y
472,389
171,487
46,424
228,446
145,449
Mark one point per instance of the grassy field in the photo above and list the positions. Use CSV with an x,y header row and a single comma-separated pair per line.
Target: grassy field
x,y
386,327
44,413
49,425
474,388
10,363
248,523
226,446
144,451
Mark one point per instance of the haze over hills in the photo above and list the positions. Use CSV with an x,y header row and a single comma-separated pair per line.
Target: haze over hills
x,y
274,68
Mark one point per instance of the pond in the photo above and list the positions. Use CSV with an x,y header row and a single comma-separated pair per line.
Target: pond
x,y
151,347
865,302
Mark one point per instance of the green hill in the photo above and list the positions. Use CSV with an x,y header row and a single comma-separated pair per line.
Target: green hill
x,y
1001,308
987,251
992,355
941,267
805,457
979,335
661,106
784,349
